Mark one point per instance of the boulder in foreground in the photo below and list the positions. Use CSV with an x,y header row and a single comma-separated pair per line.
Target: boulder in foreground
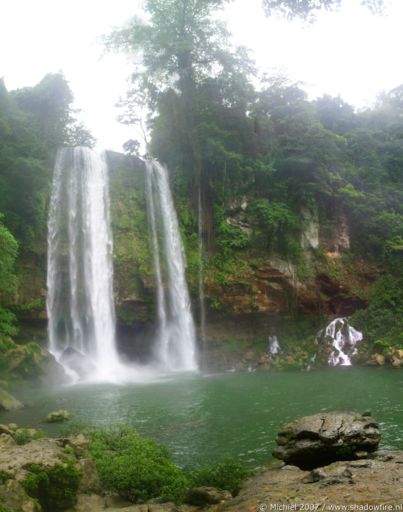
x,y
318,440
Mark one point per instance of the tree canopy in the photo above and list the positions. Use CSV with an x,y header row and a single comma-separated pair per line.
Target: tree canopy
x,y
34,122
308,9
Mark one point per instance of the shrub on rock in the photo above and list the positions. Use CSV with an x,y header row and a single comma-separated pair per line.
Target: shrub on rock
x,y
136,468
54,487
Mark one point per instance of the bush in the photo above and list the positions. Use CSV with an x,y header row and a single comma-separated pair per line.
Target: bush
x,y
24,436
137,468
228,475
382,322
4,476
55,488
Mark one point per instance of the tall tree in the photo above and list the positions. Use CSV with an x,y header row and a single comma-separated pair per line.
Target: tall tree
x,y
49,104
181,45
188,75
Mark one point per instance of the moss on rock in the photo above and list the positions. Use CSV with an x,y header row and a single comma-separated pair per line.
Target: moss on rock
x,y
133,283
54,487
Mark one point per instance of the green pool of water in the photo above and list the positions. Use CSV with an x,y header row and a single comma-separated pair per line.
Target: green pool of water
x,y
203,418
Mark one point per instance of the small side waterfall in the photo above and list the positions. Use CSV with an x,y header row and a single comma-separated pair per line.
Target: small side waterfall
x,y
80,303
201,274
273,346
176,340
343,338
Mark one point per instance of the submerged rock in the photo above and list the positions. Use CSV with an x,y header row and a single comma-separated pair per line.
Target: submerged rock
x,y
57,416
321,439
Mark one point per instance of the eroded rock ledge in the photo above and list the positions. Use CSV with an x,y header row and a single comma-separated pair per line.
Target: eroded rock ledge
x,y
363,483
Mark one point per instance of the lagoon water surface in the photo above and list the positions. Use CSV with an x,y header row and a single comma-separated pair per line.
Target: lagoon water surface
x,y
203,418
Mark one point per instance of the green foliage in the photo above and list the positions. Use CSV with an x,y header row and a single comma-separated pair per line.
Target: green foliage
x,y
8,255
228,475
7,322
382,321
140,469
278,226
8,279
34,121
230,238
21,361
48,104
24,436
4,476
54,487
6,344
136,468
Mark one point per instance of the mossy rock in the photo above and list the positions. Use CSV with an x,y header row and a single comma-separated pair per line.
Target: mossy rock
x,y
28,361
57,416
54,487
8,402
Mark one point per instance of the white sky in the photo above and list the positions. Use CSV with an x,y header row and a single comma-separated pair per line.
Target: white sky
x,y
350,53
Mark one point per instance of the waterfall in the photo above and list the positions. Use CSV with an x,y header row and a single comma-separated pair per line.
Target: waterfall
x,y
201,274
176,341
274,345
343,338
80,302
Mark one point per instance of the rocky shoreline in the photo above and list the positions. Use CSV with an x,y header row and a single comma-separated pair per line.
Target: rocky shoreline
x,y
364,479
356,485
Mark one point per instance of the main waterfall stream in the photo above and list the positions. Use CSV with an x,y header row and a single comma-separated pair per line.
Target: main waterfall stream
x,y
80,275
176,339
80,301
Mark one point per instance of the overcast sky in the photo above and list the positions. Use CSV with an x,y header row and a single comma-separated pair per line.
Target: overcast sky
x,y
351,53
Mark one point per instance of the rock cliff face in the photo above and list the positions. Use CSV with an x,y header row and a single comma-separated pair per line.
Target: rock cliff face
x,y
253,282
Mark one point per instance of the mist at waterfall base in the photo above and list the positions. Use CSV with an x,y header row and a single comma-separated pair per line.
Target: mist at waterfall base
x,y
80,303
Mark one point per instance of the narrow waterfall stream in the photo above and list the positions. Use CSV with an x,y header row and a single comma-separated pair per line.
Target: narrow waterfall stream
x,y
80,302
176,339
201,274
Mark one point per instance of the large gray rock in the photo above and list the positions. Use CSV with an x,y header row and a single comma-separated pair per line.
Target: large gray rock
x,y
321,439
